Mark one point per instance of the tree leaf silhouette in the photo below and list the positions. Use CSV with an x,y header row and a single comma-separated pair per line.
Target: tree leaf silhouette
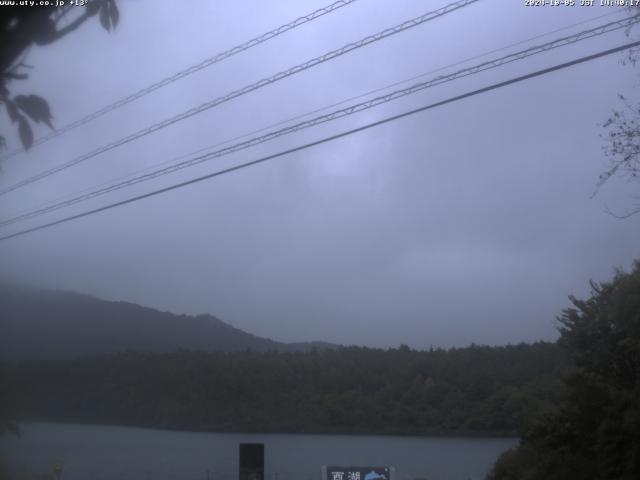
x,y
92,8
40,27
12,110
35,107
26,134
44,31
105,17
115,13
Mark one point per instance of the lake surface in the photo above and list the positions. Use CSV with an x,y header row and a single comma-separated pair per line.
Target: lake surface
x,y
121,453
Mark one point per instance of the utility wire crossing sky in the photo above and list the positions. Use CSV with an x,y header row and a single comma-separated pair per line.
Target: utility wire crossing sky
x,y
353,109
414,22
188,71
333,137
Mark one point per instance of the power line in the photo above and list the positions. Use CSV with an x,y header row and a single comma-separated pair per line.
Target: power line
x,y
456,98
318,110
188,71
612,26
414,22
350,110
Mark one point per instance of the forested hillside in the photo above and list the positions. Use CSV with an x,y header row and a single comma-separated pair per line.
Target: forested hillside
x,y
458,391
55,324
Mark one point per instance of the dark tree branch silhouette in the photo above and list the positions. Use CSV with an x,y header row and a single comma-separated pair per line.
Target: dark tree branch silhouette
x,y
23,27
622,140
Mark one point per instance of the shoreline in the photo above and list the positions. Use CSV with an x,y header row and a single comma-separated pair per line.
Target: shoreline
x,y
337,432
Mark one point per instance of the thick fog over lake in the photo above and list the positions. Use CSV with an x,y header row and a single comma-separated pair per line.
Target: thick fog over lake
x,y
471,222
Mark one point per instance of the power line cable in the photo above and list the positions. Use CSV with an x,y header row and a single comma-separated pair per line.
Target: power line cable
x,y
188,71
414,22
350,110
456,98
318,110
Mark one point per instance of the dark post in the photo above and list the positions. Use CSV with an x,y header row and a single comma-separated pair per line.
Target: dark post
x,y
252,461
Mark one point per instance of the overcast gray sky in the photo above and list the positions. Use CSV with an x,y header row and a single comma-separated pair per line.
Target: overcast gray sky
x,y
468,223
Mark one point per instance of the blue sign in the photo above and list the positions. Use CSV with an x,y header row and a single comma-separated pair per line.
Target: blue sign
x,y
358,473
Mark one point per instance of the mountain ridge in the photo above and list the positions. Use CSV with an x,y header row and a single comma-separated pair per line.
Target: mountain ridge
x,y
39,323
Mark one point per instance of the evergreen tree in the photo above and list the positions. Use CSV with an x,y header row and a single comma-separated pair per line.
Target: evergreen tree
x,y
595,432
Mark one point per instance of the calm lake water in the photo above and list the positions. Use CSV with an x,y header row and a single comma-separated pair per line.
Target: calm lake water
x,y
122,453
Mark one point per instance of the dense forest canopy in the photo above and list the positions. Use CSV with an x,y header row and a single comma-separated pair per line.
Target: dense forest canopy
x,y
595,431
488,390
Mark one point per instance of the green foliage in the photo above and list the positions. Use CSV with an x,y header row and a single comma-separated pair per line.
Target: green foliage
x,y
360,390
595,432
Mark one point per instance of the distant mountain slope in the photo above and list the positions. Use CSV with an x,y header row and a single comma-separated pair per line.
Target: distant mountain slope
x,y
54,324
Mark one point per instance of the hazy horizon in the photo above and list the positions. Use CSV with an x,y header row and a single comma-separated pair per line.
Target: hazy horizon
x,y
470,223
